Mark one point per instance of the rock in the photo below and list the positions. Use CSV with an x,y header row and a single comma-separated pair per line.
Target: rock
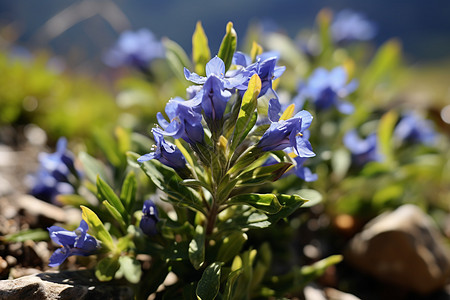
x,y
403,248
62,286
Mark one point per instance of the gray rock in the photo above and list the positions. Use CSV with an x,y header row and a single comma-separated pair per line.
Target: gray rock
x,y
404,248
79,285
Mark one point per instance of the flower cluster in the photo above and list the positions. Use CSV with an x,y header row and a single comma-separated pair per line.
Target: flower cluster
x,y
53,175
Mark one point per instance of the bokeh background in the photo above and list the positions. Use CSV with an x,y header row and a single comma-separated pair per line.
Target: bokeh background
x,y
80,31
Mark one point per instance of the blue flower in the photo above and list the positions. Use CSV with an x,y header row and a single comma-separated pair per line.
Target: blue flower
x,y
303,172
216,68
135,49
326,89
214,98
149,218
363,150
53,175
265,67
413,128
77,242
352,26
165,152
284,133
185,120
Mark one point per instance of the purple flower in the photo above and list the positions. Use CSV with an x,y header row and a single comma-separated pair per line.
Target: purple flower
x,y
216,68
303,172
352,26
77,242
363,150
52,177
265,67
326,89
284,133
185,120
135,49
149,218
214,98
165,152
413,128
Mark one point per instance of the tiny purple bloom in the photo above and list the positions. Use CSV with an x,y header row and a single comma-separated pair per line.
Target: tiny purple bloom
x,y
135,49
165,152
363,150
413,128
303,172
149,218
350,26
327,89
77,242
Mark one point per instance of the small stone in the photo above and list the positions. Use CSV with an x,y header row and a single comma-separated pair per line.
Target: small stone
x,y
404,248
66,285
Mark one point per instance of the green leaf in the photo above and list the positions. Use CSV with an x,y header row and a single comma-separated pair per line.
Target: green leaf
x,y
228,46
176,58
97,228
265,202
106,193
208,286
290,203
248,106
107,268
382,66
317,269
24,235
167,180
324,21
385,131
108,146
197,248
92,167
341,161
312,197
114,213
128,192
123,139
200,49
264,174
131,268
231,246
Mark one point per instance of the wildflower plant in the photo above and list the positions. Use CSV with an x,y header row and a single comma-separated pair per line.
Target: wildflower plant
x,y
214,159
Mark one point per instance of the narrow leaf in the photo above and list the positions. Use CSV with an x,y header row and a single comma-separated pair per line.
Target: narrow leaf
x,y
248,106
176,57
97,228
264,174
385,131
208,286
231,246
228,46
24,235
265,202
92,167
114,213
200,49
128,192
106,193
197,248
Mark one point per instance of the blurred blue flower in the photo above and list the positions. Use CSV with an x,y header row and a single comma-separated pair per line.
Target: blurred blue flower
x,y
53,175
413,128
326,89
185,120
349,25
149,218
165,152
77,242
216,68
362,150
303,172
284,133
136,49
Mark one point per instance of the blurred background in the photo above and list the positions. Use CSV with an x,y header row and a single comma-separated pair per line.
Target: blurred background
x,y
80,31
